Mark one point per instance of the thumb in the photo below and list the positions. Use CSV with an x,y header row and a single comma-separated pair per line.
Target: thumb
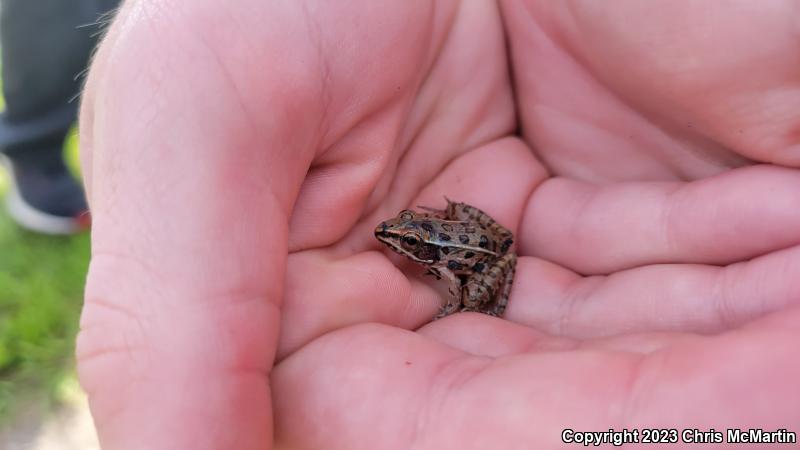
x,y
180,324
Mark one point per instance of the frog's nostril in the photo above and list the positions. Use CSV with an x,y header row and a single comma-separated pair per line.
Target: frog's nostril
x,y
380,229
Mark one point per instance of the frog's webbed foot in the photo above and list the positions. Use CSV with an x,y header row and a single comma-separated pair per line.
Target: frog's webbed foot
x,y
451,307
487,312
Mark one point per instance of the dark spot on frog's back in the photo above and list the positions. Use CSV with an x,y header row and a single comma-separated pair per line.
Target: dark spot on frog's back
x,y
444,237
478,267
468,255
504,248
463,238
454,265
484,242
427,226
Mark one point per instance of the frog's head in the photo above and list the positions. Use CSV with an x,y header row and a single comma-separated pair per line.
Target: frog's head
x,y
405,235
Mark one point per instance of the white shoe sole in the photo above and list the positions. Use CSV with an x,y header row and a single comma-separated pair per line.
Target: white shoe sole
x,y
31,218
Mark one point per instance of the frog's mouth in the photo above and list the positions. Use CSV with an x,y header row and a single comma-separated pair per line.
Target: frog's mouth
x,y
382,234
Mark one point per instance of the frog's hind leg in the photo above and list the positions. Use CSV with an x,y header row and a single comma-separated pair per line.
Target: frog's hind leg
x,y
463,212
488,292
433,212
499,307
449,213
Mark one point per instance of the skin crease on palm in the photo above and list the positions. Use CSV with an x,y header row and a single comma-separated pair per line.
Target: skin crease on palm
x,y
644,153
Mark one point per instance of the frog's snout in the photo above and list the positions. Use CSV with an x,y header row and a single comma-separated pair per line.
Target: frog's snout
x,y
380,230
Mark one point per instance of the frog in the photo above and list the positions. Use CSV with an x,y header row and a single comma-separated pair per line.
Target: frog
x,y
461,244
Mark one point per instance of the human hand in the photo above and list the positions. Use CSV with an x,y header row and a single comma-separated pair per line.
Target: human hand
x,y
200,136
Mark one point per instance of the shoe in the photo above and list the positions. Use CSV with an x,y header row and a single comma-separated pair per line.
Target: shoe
x,y
43,196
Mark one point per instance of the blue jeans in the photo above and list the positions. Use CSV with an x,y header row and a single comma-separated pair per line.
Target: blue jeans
x,y
45,45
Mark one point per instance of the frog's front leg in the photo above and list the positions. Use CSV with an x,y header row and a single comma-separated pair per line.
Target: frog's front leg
x,y
453,304
487,290
434,272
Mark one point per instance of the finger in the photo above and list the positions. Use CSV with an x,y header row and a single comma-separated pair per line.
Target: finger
x,y
599,229
497,178
679,297
479,334
87,97
453,96
180,322
193,194
384,388
742,100
364,287
686,110
86,136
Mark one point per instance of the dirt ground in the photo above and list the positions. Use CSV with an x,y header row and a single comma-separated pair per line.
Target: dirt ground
x,y
68,427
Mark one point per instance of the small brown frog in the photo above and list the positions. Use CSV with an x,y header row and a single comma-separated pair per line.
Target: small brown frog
x,y
462,244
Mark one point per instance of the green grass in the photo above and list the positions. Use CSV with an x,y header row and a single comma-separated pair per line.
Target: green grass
x,y
41,289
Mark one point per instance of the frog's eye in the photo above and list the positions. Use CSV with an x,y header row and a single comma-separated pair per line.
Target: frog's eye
x,y
406,215
411,240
